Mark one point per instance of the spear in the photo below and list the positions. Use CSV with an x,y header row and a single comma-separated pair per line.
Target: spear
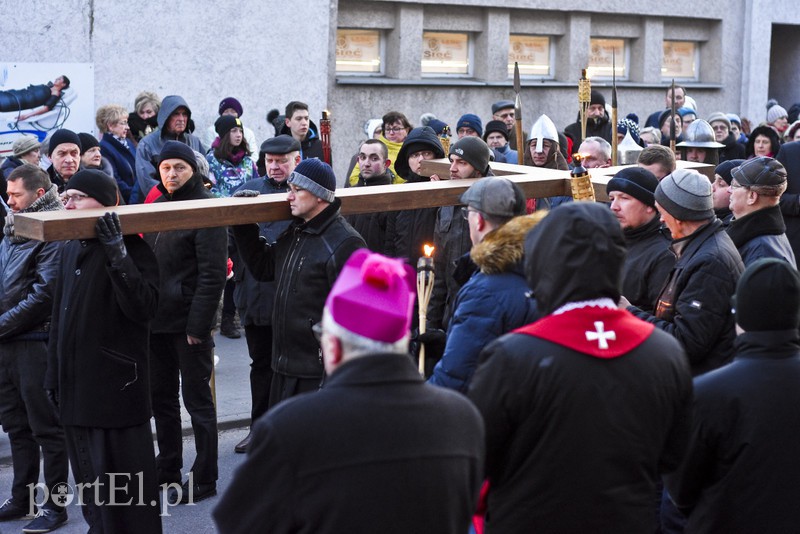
x,y
614,140
672,121
518,115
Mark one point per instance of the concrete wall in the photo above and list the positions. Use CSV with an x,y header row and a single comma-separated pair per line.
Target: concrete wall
x,y
199,49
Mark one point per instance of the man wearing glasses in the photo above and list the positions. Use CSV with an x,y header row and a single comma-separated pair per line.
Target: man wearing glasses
x,y
305,261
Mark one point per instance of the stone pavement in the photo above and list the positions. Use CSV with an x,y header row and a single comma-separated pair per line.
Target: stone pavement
x,y
232,387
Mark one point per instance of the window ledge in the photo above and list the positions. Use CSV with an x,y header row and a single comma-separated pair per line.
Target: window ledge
x,y
530,83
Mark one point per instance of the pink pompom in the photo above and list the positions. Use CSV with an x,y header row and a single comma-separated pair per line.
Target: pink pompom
x,y
381,272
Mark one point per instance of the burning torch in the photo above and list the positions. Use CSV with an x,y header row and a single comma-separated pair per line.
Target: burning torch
x,y
424,291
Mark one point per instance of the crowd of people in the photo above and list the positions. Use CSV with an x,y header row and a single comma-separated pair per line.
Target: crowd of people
x,y
624,366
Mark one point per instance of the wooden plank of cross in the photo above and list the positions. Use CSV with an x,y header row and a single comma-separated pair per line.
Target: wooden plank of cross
x,y
164,216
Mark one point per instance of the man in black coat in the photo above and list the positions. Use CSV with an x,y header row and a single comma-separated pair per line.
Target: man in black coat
x,y
587,406
28,274
789,156
648,260
741,468
98,371
192,266
598,123
694,305
255,299
377,449
373,162
305,261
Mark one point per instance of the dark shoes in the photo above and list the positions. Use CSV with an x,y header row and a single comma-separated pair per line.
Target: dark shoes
x,y
190,494
241,447
228,327
11,510
46,520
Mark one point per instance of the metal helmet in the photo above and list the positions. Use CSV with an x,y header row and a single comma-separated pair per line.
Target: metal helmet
x,y
628,150
543,129
699,134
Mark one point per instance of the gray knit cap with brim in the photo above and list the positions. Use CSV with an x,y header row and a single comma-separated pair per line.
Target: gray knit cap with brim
x,y
686,195
316,177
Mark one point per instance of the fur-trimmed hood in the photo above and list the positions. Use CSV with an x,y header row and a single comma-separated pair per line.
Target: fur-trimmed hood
x,y
502,249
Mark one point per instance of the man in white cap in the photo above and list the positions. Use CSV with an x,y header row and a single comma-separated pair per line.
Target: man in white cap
x,y
376,450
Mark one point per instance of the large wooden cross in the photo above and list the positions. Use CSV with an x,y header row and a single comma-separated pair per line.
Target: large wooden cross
x,y
164,216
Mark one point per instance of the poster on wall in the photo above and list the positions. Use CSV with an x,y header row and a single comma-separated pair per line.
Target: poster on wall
x,y
39,98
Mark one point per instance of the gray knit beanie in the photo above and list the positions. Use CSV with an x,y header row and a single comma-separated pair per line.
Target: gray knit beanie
x,y
686,195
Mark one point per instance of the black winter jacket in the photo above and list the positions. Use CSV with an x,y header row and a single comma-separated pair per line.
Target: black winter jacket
x,y
789,156
305,261
254,299
741,468
192,266
733,149
647,264
761,234
98,353
375,227
695,304
452,241
311,146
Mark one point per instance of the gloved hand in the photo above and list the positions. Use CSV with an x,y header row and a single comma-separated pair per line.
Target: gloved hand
x,y
246,193
53,397
109,233
434,340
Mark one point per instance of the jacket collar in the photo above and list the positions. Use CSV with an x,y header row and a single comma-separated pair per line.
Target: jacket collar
x,y
193,189
633,235
374,369
773,344
687,246
318,224
767,221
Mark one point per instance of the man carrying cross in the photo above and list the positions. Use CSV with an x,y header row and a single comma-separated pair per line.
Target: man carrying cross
x,y
586,406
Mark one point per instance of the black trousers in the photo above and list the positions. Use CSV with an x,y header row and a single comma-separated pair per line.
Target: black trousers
x,y
118,471
259,345
30,420
171,359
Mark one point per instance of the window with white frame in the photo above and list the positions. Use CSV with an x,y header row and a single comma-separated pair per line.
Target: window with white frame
x,y
446,54
680,60
533,53
607,55
359,51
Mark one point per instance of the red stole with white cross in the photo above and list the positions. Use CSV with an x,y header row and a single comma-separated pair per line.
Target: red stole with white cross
x,y
596,331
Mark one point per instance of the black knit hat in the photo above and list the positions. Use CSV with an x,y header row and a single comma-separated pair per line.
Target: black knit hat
x,y
225,124
637,182
178,150
755,304
96,184
60,137
316,177
495,126
87,141
598,98
724,169
422,138
475,151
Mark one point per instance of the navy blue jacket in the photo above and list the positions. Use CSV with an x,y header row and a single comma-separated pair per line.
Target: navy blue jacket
x,y
123,161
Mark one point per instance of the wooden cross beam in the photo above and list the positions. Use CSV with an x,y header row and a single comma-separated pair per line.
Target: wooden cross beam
x,y
164,216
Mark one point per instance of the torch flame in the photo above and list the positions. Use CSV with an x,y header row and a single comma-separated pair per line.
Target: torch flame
x,y
428,250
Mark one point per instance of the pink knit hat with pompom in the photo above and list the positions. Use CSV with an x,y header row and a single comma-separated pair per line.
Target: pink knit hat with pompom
x,y
373,297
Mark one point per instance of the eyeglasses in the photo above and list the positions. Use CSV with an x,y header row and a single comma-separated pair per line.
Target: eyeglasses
x,y
122,123
736,185
719,127
317,329
466,210
74,198
393,130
